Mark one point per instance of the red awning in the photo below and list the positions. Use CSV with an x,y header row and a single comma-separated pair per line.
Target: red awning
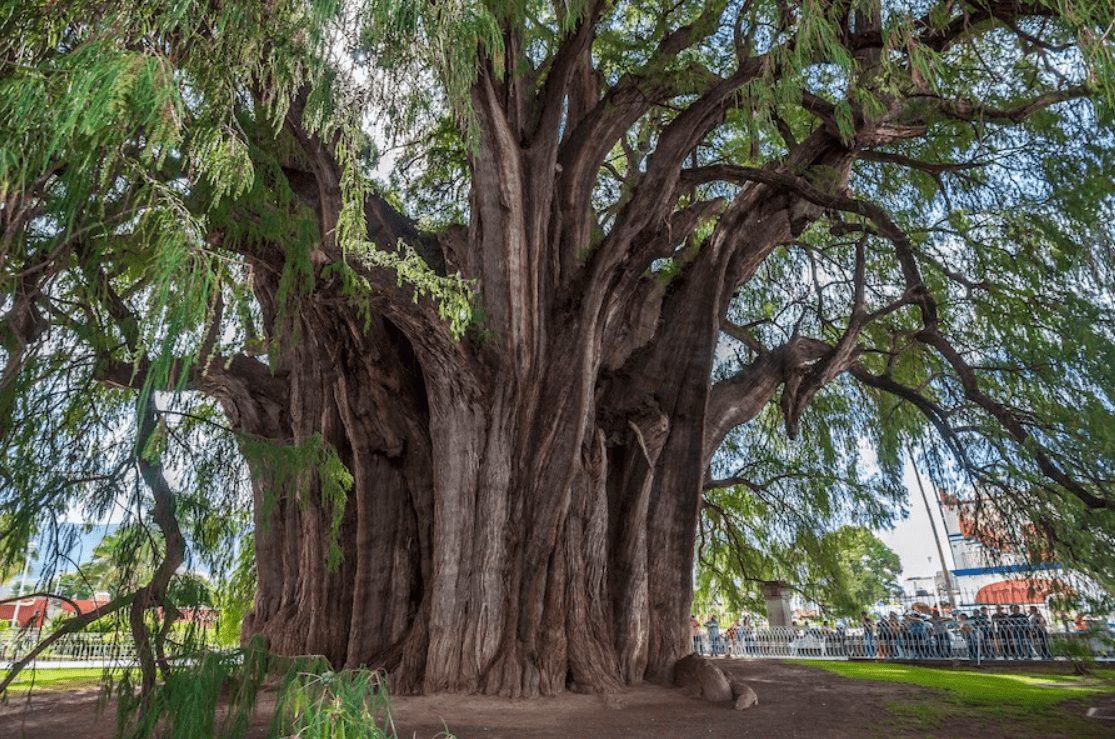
x,y
1033,590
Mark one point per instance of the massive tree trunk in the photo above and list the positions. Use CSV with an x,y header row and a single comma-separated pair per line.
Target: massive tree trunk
x,y
524,507
498,537
525,500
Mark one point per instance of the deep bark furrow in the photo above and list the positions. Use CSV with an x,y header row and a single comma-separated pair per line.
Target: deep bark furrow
x,y
589,615
500,232
630,574
488,595
457,434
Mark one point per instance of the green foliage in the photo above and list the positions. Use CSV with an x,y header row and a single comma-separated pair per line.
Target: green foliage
x,y
14,538
234,595
311,701
112,133
290,470
321,704
121,562
187,701
745,540
801,511
852,569
1010,248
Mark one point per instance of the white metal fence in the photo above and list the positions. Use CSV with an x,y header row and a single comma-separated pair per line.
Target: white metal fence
x,y
72,647
977,644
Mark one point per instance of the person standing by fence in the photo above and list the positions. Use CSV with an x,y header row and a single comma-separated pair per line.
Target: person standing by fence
x,y
892,630
732,639
1039,632
967,633
868,635
919,637
983,627
747,630
712,626
941,647
1019,625
999,631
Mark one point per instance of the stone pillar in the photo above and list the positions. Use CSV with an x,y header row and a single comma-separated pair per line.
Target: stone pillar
x,y
778,603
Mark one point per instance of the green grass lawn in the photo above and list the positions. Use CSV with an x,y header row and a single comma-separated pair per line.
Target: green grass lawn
x,y
51,681
1034,703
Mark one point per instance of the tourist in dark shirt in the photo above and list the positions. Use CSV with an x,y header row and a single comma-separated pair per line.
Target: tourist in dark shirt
x,y
999,631
1039,633
982,625
1018,633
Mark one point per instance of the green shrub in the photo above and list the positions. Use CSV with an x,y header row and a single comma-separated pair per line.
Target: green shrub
x,y
351,704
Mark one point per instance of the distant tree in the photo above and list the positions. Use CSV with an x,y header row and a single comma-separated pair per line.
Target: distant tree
x,y
844,570
73,585
639,263
120,562
854,571
14,550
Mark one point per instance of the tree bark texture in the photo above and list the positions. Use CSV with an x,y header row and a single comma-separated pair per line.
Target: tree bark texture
x,y
525,503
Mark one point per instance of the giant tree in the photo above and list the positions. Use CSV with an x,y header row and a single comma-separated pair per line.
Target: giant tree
x,y
480,401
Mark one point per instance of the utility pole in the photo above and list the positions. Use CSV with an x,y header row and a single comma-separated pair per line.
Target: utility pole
x,y
933,525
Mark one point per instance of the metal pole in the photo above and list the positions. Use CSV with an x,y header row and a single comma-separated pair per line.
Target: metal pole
x,y
933,524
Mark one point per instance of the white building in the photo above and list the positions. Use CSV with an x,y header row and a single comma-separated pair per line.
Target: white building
x,y
992,565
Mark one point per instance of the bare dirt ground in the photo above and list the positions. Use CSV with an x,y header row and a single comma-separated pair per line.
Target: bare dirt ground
x,y
794,701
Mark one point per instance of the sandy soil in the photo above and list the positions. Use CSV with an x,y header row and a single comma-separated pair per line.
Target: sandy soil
x,y
794,701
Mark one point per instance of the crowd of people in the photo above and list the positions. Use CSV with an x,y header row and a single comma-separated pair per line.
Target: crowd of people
x,y
928,634
1001,635
738,639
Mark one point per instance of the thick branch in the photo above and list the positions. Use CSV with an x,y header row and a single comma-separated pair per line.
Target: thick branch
x,y
804,384
658,190
968,110
973,17
915,287
218,371
588,142
1010,421
739,399
932,412
572,53
741,334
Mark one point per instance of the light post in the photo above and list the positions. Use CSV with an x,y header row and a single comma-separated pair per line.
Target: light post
x,y
31,547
